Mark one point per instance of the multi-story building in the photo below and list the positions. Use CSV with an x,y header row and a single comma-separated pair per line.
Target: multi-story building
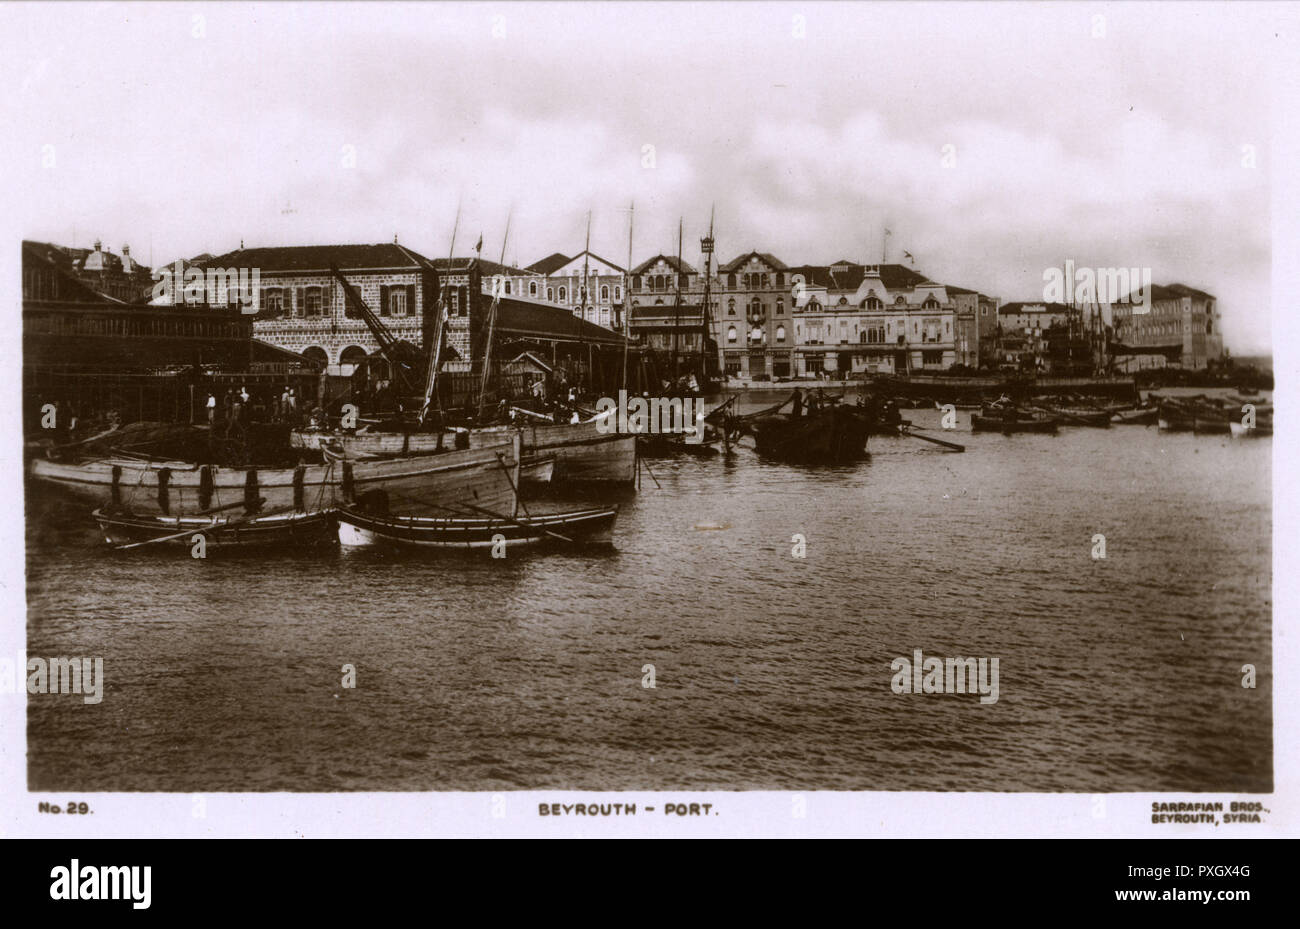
x,y
876,319
753,310
585,280
300,304
976,320
1182,324
657,322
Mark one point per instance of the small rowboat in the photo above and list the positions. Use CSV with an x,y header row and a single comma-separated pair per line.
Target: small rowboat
x,y
1140,417
123,530
578,527
1008,425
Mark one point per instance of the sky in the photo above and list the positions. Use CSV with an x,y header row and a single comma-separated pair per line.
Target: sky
x,y
993,141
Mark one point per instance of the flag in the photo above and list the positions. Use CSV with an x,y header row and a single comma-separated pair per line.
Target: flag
x,y
907,254
887,232
479,246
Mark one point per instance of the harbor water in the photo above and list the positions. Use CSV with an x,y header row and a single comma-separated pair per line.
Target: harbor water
x,y
769,671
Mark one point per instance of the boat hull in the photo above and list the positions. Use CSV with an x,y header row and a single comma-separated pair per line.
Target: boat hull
x,y
582,452
289,529
583,527
177,488
980,423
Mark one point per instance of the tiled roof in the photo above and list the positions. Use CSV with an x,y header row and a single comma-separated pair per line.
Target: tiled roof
x,y
319,257
1172,292
549,263
523,320
762,256
892,276
680,267
488,268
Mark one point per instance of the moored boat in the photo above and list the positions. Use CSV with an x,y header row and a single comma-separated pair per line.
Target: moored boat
x,y
1009,424
581,451
593,526
1261,430
486,475
278,529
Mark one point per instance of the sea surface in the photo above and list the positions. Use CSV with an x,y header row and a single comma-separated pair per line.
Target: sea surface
x,y
770,671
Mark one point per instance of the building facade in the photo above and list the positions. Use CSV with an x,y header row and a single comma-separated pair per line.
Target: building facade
x,y
587,284
1183,325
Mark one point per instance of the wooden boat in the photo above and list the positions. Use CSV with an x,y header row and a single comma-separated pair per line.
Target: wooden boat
x,y
1077,416
536,469
595,526
833,435
1009,424
581,451
1138,417
487,475
297,528
1262,429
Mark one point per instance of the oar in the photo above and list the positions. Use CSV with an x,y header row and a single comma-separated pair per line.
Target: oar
x,y
511,519
213,525
916,435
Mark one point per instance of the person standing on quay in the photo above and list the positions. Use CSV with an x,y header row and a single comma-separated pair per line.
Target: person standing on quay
x,y
212,408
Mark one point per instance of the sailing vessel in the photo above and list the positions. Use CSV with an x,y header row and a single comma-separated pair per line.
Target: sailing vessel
x,y
184,488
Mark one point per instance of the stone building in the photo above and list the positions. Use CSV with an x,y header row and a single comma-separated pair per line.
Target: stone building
x,y
1183,325
585,279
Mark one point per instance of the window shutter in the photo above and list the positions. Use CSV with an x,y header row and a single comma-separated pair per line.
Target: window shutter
x,y
410,300
300,304
326,298
383,299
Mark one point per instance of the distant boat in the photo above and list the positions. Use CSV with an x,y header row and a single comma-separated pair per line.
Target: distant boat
x,y
1140,417
1010,424
579,527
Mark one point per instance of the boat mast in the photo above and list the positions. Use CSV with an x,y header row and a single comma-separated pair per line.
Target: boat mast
x,y
492,319
586,286
677,301
435,353
627,291
707,359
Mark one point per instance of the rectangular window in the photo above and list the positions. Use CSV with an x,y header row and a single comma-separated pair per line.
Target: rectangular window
x,y
397,301
312,306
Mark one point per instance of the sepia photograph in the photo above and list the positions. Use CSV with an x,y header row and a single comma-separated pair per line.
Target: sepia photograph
x,y
673,398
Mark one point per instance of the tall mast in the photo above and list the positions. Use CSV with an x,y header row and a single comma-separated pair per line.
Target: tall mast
x,y
706,320
677,302
435,354
492,318
586,288
627,291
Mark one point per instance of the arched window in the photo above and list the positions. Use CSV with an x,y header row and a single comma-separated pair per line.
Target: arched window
x,y
659,301
731,306
550,294
564,295
618,292
532,288
731,281
780,306
931,303
780,333
604,293
763,281
755,307
507,287
731,334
